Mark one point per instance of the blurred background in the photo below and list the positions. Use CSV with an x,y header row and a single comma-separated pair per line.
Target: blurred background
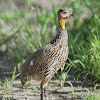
x,y
26,25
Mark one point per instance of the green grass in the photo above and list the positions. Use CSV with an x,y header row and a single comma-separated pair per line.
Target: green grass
x,y
87,53
6,84
92,96
21,34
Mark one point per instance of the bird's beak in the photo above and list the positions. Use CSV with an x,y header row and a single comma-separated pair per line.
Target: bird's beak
x,y
72,14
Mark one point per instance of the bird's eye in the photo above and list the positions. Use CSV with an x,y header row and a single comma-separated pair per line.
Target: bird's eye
x,y
64,12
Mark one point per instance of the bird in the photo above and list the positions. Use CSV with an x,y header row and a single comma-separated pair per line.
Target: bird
x,y
48,59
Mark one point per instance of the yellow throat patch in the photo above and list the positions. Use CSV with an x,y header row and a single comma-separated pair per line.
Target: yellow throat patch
x,y
62,22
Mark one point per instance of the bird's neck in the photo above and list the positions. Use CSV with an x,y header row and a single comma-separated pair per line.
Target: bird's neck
x,y
61,24
61,31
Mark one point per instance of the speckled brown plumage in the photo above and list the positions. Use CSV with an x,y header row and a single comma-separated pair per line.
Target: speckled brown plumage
x,y
47,60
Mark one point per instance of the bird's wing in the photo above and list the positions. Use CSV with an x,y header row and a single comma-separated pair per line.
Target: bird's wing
x,y
38,59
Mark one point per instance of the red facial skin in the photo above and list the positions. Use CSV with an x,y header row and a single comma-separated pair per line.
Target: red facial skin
x,y
65,18
64,12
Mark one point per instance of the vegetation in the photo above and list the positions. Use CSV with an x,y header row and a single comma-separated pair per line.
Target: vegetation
x,y
24,31
6,84
92,96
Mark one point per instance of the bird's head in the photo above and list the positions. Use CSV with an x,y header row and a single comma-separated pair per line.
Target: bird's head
x,y
63,14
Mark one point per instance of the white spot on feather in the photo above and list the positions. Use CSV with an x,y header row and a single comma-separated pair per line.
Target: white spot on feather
x,y
31,63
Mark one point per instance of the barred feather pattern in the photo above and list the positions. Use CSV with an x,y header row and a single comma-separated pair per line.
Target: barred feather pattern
x,y
47,60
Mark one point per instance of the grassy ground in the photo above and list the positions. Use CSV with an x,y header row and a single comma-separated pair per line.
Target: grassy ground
x,y
26,25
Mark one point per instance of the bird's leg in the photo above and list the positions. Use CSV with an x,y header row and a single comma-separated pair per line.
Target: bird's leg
x,y
23,81
41,86
44,90
45,93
